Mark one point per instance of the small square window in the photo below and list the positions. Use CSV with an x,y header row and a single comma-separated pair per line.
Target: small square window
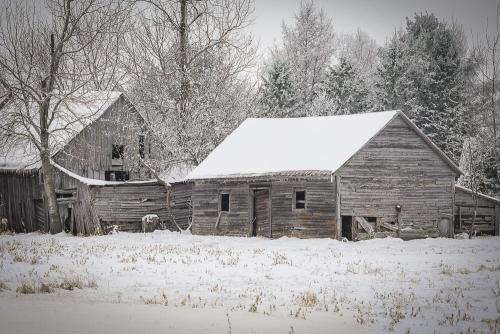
x,y
300,199
224,202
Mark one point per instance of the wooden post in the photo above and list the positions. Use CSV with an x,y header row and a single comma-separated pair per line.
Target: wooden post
x,y
337,207
451,229
398,224
460,219
497,219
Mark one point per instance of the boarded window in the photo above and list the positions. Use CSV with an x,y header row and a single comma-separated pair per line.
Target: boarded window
x,y
224,202
118,151
300,199
141,146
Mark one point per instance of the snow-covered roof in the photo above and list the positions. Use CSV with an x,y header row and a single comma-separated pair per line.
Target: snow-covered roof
x,y
275,145
72,116
290,146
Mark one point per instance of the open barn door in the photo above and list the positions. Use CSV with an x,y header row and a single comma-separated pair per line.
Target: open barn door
x,y
261,214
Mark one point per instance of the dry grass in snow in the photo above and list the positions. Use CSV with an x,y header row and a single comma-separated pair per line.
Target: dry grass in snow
x,y
432,285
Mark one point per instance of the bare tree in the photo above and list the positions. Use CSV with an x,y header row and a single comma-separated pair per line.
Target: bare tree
x,y
50,55
186,61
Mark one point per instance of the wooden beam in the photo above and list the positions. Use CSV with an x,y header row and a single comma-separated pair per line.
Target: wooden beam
x,y
338,207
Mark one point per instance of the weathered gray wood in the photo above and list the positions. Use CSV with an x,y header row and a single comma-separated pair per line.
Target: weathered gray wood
x,y
338,210
497,219
21,200
486,215
398,167
89,153
366,226
262,212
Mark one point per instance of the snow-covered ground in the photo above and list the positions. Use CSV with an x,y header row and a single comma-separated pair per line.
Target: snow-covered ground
x,y
198,283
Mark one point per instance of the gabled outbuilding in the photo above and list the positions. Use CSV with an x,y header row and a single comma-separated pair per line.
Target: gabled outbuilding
x,y
350,176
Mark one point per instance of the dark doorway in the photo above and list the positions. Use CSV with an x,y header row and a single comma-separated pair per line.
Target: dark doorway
x,y
347,227
261,213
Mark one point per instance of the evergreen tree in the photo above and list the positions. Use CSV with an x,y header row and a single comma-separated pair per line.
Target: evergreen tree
x,y
308,46
346,89
277,95
391,73
422,73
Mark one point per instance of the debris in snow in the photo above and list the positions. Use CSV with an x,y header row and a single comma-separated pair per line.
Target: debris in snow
x,y
150,223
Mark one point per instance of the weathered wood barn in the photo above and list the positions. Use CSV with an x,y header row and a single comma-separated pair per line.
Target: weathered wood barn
x,y
99,182
353,176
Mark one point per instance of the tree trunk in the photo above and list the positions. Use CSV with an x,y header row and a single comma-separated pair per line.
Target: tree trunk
x,y
55,225
183,56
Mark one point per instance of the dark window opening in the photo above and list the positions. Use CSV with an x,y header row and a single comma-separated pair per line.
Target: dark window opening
x,y
116,175
300,199
141,146
118,151
224,202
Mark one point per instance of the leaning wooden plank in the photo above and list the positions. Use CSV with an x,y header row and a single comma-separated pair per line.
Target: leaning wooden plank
x,y
390,227
366,226
218,219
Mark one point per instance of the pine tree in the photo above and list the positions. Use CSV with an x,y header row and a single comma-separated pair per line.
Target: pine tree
x,y
346,89
422,73
308,46
277,95
390,73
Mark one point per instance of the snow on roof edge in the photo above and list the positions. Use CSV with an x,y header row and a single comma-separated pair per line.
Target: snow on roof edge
x,y
94,182
479,194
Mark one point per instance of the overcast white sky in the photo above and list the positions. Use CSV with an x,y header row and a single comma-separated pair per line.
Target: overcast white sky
x,y
377,17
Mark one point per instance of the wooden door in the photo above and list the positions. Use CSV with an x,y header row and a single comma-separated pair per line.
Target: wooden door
x,y
262,221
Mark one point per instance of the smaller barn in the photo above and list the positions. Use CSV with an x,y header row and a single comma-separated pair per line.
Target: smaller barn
x,y
353,176
100,184
485,220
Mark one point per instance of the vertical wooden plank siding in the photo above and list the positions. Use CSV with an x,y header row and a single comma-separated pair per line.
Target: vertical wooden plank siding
x,y
497,219
89,153
397,167
20,199
452,218
487,216
338,208
317,220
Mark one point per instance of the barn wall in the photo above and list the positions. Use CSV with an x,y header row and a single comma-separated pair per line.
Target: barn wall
x,y
487,215
318,220
89,154
205,201
21,200
125,205
398,167
180,203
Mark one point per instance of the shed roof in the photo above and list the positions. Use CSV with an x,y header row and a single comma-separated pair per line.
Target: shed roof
x,y
262,146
